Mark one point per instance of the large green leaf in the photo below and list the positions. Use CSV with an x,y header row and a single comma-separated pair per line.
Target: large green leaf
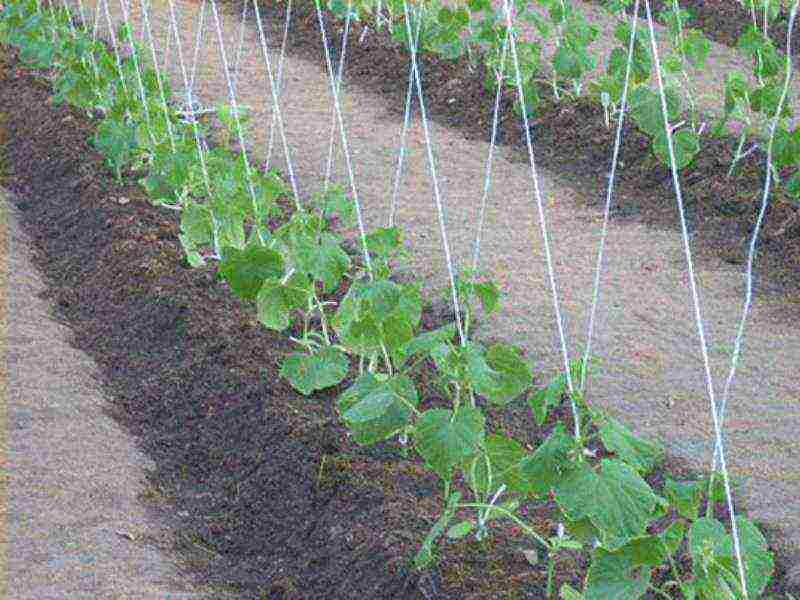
x,y
550,463
424,343
277,300
504,456
625,573
639,453
712,547
514,375
310,372
685,496
247,270
376,410
445,440
615,498
685,145
646,109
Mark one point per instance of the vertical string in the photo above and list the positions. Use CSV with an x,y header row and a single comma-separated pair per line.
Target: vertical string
x,y
339,74
276,107
345,147
406,121
696,302
432,166
542,220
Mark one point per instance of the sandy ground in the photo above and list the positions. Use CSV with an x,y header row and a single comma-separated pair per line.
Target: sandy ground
x,y
76,524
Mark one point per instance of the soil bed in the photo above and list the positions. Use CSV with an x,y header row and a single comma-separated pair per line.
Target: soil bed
x,y
271,499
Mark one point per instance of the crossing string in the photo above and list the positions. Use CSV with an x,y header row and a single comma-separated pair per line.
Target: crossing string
x,y
406,119
542,219
339,74
278,78
343,134
752,250
697,312
159,82
236,117
276,105
434,178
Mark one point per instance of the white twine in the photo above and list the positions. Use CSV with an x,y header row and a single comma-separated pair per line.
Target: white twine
x,y
607,210
696,302
751,254
140,82
279,83
160,84
187,88
403,134
276,106
542,221
237,120
345,146
339,74
240,46
488,177
434,178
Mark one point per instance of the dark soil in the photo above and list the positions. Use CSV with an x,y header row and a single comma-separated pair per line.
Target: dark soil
x,y
571,139
724,22
271,499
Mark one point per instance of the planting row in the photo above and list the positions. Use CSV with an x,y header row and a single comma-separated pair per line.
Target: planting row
x,y
478,30
357,328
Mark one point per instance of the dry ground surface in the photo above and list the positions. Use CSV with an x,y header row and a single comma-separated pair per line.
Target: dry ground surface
x,y
75,523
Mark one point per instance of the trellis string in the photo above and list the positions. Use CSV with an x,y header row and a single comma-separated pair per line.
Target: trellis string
x,y
404,132
752,250
339,75
276,106
159,82
487,182
607,209
542,219
279,80
696,303
237,120
434,178
345,146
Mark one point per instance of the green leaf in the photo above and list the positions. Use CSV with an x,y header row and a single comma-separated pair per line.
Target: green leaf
x,y
247,270
489,295
550,463
623,574
445,440
310,372
548,398
685,144
504,456
424,343
672,537
567,592
375,410
696,47
646,109
276,301
513,375
759,563
196,225
460,530
615,498
640,454
685,496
